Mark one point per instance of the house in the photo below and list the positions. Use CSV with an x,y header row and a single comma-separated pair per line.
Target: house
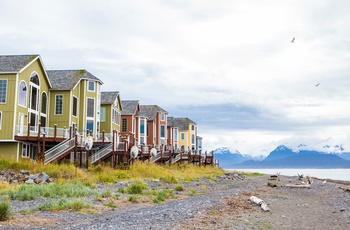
x,y
133,123
156,124
110,113
75,100
24,100
172,133
187,133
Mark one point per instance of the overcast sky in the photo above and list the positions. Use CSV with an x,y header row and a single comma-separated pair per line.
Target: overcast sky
x,y
228,65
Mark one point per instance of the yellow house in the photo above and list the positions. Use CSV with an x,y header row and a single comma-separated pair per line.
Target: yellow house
x,y
24,100
187,133
111,108
75,101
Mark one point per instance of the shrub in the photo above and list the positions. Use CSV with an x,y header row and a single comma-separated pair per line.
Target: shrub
x,y
4,210
136,188
179,188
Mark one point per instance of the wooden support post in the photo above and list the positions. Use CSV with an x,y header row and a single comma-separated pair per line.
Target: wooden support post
x,y
28,130
43,149
87,159
54,132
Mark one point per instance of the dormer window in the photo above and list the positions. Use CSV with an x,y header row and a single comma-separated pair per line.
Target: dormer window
x,y
91,86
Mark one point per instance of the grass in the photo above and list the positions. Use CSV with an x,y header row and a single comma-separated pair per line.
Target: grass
x,y
63,204
5,212
73,182
30,192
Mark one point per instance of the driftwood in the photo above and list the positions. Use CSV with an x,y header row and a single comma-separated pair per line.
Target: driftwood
x,y
260,202
271,184
275,177
346,189
297,185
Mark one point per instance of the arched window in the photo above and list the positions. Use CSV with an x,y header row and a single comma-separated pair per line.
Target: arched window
x,y
22,94
34,95
35,79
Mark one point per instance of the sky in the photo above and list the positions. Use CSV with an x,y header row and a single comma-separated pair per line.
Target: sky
x,y
228,65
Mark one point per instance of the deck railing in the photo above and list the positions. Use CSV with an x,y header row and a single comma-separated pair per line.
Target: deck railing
x,y
48,131
58,150
101,153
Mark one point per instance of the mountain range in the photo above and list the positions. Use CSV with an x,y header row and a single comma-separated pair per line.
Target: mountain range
x,y
284,157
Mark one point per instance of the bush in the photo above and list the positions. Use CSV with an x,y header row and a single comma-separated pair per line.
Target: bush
x,y
4,210
136,188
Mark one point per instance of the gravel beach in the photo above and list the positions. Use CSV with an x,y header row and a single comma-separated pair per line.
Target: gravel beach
x,y
223,204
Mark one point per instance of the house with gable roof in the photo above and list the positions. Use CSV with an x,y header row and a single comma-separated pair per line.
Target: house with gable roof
x,y
133,123
110,114
172,133
156,124
24,104
75,100
187,133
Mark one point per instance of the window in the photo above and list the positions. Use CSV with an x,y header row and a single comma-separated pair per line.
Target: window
x,y
91,86
90,107
192,127
25,151
142,127
103,114
59,105
0,120
3,90
22,94
182,136
75,106
43,109
90,125
162,131
175,134
43,103
124,125
162,117
142,140
192,138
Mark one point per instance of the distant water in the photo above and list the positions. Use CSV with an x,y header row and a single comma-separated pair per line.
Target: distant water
x,y
335,174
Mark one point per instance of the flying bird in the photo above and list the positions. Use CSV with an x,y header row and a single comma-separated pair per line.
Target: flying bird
x,y
317,84
293,40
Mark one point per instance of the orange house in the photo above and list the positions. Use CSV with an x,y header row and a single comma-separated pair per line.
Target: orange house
x,y
156,124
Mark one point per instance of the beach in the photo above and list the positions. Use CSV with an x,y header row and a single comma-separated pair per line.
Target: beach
x,y
221,204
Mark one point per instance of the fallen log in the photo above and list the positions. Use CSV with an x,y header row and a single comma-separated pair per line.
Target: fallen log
x,y
260,202
346,189
298,185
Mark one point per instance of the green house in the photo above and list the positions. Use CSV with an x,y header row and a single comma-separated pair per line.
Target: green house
x,y
75,101
24,103
111,108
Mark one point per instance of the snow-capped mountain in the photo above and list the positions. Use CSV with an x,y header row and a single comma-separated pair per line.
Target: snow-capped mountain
x,y
228,157
283,156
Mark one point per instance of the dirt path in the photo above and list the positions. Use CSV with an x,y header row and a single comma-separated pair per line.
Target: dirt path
x,y
322,206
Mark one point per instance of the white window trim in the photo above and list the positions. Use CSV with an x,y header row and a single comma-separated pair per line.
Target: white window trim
x,y
88,84
87,106
6,91
56,102
25,100
77,109
27,151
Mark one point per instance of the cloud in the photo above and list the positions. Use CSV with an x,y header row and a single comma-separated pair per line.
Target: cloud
x,y
227,65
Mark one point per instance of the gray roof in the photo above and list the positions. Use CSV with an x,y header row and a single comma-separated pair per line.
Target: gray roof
x,y
68,79
150,111
130,107
171,121
15,63
108,98
183,123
